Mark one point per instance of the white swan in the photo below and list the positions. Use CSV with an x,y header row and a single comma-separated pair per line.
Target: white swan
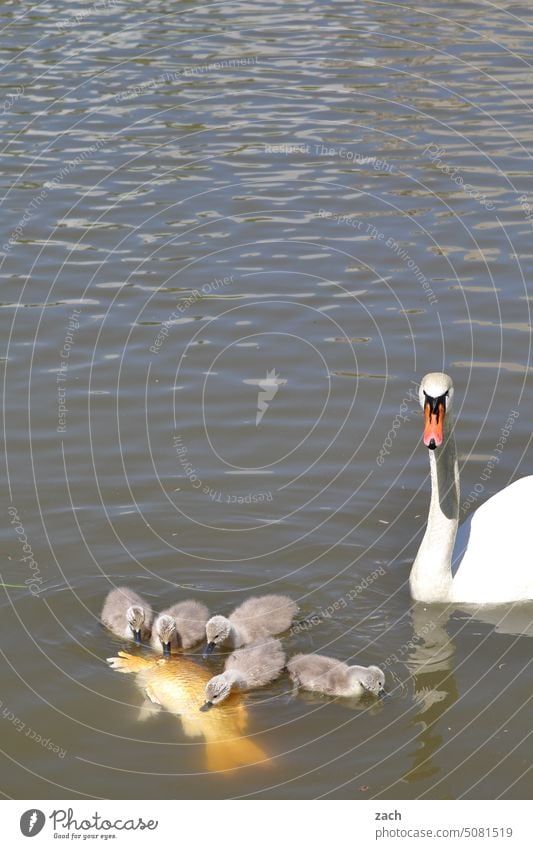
x,y
489,560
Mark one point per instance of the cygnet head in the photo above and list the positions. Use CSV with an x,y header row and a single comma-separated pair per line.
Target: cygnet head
x,y
165,628
217,689
373,680
135,619
217,631
436,395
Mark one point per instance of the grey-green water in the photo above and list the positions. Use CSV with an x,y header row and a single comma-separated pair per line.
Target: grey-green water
x,y
195,197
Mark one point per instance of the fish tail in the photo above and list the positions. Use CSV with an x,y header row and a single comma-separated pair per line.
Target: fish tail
x,y
128,662
222,755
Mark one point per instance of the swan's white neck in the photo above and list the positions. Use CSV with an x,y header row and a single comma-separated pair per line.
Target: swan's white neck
x,y
431,575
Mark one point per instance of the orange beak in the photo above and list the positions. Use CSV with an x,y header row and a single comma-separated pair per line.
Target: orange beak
x,y
433,423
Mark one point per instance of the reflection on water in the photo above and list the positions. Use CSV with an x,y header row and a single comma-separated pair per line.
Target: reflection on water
x,y
231,244
435,689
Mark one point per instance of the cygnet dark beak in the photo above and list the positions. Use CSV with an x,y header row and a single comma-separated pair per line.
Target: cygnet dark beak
x,y
206,706
209,649
166,649
137,635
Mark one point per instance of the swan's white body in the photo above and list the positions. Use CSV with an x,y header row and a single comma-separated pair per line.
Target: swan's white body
x,y
489,559
493,549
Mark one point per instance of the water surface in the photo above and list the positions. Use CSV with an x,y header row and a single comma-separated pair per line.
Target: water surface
x,y
329,197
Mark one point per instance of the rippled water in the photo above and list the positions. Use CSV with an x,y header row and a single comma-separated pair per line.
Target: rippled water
x,y
329,196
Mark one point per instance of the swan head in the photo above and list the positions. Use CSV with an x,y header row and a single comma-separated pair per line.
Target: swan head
x,y
135,619
217,689
373,680
217,631
165,628
436,395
